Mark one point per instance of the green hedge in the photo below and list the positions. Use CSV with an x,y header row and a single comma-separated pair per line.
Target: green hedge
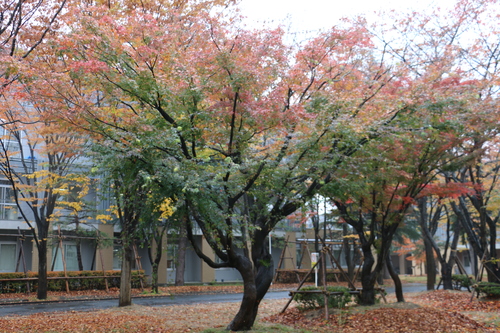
x,y
462,280
314,300
88,283
490,289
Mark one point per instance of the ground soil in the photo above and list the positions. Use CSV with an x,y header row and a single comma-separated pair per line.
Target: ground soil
x,y
437,311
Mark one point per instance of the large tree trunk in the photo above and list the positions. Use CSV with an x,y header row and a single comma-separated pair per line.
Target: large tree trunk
x,y
430,264
254,290
397,281
125,298
446,274
368,278
42,268
494,271
256,283
180,265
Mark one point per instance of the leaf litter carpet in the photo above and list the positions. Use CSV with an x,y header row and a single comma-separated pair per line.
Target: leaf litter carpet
x,y
438,311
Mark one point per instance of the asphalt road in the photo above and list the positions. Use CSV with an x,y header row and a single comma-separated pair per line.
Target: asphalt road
x,y
90,305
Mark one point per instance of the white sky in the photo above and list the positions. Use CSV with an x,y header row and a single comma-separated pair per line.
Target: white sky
x,y
312,15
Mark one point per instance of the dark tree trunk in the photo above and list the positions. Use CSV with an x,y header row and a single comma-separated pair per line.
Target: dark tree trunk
x,y
446,274
368,278
430,264
125,298
42,268
154,277
79,254
78,244
380,277
397,281
369,274
180,264
494,271
255,287
256,282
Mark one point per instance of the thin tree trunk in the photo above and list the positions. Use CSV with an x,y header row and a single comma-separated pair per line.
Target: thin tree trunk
x,y
42,269
154,278
78,244
79,254
155,263
348,253
397,281
430,264
180,263
125,298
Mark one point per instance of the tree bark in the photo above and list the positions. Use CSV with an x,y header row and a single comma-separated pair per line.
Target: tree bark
x,y
125,298
256,282
180,265
348,253
155,260
446,274
397,281
368,278
257,274
42,268
430,264
79,254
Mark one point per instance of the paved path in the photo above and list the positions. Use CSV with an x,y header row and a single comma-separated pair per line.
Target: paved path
x,y
89,305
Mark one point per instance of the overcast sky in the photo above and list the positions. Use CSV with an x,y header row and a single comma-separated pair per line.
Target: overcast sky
x,y
312,15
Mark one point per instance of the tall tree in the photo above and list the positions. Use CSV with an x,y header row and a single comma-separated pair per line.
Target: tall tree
x,y
251,128
429,216
38,159
379,186
237,122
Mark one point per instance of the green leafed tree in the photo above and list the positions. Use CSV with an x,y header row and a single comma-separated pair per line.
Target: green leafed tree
x,y
249,127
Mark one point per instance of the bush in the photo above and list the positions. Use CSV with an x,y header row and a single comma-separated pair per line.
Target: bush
x,y
462,280
490,289
91,281
312,300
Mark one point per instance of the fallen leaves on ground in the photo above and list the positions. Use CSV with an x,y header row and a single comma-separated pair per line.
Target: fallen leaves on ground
x,y
456,301
438,311
178,319
383,320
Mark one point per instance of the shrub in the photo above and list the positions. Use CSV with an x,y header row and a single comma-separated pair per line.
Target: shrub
x,y
86,283
490,289
312,300
462,280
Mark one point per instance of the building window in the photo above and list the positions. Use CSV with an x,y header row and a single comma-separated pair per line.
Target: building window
x,y
9,141
466,259
8,257
70,256
8,207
